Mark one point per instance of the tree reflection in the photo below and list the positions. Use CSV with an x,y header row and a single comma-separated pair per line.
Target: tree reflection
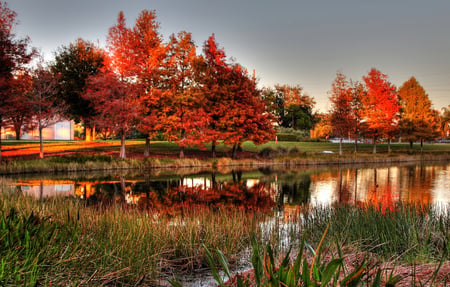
x,y
173,196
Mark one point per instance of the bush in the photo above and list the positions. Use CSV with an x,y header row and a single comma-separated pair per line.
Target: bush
x,y
269,152
81,158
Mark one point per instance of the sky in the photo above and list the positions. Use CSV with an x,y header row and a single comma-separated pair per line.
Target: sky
x,y
293,42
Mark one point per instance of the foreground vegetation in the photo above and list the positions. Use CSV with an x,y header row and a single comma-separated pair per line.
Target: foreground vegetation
x,y
64,241
22,156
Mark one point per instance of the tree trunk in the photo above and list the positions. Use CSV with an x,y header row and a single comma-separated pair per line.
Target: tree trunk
x,y
213,149
122,154
340,146
234,152
389,146
181,151
41,143
87,134
356,145
374,145
17,130
421,145
410,146
0,139
147,147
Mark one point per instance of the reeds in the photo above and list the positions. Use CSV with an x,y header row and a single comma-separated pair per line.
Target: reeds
x,y
60,241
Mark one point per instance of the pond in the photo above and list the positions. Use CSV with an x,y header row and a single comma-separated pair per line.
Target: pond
x,y
286,188
285,191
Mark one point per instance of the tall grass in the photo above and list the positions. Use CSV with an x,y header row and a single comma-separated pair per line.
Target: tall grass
x,y
60,241
405,232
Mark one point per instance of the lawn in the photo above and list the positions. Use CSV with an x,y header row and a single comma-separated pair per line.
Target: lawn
x,y
14,149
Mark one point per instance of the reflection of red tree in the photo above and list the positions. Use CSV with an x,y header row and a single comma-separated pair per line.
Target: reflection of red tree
x,y
381,198
227,196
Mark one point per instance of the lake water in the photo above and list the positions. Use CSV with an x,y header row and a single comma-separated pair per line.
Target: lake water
x,y
288,189
285,190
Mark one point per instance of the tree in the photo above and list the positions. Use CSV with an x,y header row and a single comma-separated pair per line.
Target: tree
x,y
233,104
292,107
47,110
445,122
418,119
210,75
14,55
181,118
75,64
20,108
115,104
138,55
380,106
323,128
342,117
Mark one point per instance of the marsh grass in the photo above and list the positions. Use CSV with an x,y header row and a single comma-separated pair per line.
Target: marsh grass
x,y
405,232
60,241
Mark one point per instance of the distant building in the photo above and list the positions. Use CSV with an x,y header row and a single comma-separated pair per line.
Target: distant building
x,y
62,130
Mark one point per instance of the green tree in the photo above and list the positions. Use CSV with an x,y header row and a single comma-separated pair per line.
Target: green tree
x,y
418,119
74,64
291,107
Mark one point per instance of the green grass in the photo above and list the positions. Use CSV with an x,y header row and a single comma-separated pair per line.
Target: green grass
x,y
60,241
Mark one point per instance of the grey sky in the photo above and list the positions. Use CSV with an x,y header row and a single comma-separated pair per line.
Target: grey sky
x,y
300,42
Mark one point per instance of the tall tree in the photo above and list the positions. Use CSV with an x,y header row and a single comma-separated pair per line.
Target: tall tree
x,y
341,115
115,104
418,119
139,56
210,74
380,106
233,104
75,64
46,109
445,122
181,118
293,108
15,53
20,108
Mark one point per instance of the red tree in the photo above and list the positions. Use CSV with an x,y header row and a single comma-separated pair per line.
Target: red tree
x,y
20,109
138,55
234,107
380,106
181,118
14,54
116,104
341,116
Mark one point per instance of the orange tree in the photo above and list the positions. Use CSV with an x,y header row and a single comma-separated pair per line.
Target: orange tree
x,y
180,119
380,107
233,105
138,55
418,120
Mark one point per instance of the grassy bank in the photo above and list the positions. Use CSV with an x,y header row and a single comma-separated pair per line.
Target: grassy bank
x,y
60,241
21,157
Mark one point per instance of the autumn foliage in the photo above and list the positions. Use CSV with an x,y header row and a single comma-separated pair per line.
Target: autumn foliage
x,y
143,84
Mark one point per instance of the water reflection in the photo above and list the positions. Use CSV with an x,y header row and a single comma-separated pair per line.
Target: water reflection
x,y
259,190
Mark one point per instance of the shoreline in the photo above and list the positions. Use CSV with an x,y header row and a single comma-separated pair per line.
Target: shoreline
x,y
58,164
